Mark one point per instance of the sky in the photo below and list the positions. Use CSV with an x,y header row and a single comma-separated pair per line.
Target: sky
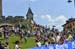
x,y
46,12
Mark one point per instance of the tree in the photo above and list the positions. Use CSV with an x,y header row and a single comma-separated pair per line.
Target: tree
x,y
27,24
19,18
10,19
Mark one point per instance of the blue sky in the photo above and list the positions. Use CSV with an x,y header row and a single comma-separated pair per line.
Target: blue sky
x,y
46,12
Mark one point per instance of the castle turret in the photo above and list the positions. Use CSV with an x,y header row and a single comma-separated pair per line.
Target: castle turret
x,y
29,15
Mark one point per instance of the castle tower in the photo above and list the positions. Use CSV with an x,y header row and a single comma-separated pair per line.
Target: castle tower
x,y
29,15
0,7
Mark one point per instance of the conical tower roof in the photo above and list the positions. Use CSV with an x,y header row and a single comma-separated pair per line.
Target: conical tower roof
x,y
29,12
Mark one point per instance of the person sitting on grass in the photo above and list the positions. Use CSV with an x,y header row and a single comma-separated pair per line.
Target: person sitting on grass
x,y
17,45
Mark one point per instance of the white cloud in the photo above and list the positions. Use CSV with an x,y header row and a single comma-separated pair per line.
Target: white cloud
x,y
61,17
33,0
47,17
58,21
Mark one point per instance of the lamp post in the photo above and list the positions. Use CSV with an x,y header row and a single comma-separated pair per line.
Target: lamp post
x,y
70,1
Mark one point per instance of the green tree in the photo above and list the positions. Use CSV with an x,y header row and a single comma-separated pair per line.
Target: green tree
x,y
19,18
27,24
10,19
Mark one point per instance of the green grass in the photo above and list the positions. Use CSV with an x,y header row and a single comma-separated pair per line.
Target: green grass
x,y
24,45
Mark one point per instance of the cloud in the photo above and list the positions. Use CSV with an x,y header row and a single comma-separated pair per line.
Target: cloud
x,y
61,17
33,0
57,21
47,17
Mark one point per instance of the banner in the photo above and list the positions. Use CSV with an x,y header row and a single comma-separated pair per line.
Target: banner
x,y
65,45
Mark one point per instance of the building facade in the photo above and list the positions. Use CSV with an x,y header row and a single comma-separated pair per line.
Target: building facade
x,y
69,26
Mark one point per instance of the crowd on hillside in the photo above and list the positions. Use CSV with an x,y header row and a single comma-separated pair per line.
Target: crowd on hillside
x,y
55,38
39,37
6,45
7,32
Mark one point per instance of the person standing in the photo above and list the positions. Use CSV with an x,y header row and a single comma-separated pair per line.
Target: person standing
x,y
74,36
38,43
28,33
17,45
1,47
25,36
6,45
57,37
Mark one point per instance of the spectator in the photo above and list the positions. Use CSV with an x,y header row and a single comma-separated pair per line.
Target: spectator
x,y
25,36
46,43
61,40
17,45
38,43
70,37
7,37
1,47
60,44
28,33
57,37
74,36
6,45
53,38
65,38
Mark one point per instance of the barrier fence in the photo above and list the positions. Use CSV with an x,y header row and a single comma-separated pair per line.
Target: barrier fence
x,y
65,45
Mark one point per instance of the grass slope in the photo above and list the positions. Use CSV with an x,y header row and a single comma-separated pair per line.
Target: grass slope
x,y
29,44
